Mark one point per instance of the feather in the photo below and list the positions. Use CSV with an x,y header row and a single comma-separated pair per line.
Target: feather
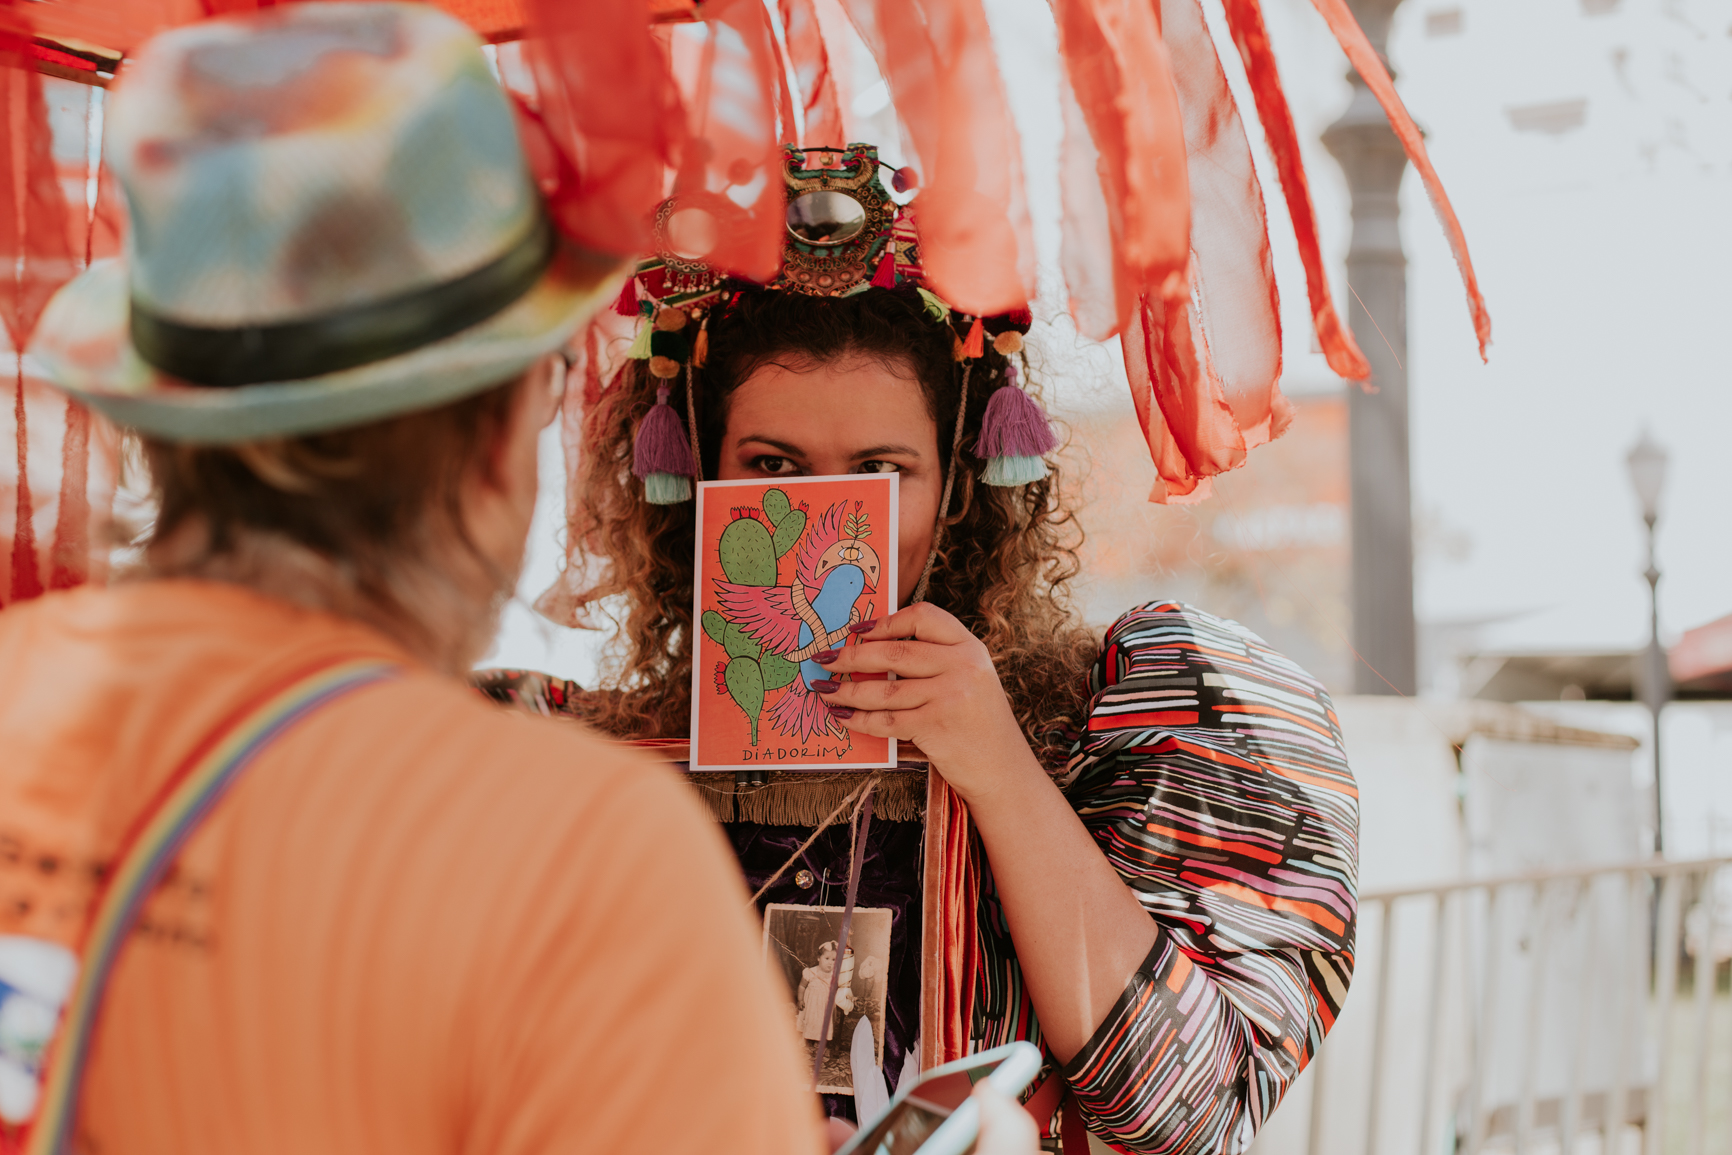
x,y
910,1065
764,613
821,534
871,1096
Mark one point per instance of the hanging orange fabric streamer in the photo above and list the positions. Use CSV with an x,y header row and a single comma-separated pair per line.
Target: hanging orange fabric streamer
x,y
35,251
614,116
1121,78
731,165
1183,413
69,559
1229,233
1371,70
977,245
821,108
1245,22
122,25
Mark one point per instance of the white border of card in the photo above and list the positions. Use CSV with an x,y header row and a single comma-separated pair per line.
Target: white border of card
x,y
888,555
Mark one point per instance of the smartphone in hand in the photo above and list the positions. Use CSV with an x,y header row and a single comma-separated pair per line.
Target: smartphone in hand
x,y
937,1114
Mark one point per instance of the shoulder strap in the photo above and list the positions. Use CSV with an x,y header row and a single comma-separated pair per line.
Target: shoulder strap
x,y
146,851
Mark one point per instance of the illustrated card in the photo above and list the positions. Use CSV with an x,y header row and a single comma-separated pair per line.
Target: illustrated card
x,y
784,567
800,941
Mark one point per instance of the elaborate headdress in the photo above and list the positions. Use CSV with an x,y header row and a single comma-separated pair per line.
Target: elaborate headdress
x,y
845,234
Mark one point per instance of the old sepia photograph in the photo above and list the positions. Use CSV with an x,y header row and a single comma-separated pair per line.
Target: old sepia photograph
x,y
802,942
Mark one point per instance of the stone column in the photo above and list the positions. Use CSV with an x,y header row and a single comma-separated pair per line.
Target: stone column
x,y
1382,515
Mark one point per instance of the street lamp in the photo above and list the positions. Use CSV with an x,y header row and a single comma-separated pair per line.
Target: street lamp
x,y
1647,462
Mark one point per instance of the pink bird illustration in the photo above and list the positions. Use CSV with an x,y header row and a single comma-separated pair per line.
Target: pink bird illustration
x,y
833,568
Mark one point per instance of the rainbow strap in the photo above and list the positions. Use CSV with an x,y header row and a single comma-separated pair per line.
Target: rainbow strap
x,y
146,852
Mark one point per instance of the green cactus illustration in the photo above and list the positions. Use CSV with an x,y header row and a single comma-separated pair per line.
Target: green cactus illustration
x,y
745,682
778,671
776,506
714,624
748,556
788,531
749,552
738,645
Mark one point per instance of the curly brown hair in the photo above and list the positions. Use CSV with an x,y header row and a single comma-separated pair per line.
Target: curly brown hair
x,y
1006,554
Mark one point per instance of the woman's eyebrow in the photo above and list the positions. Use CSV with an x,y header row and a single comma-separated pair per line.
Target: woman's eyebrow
x,y
778,446
886,451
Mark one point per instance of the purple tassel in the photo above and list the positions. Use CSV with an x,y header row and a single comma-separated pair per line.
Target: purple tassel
x,y
1014,425
661,445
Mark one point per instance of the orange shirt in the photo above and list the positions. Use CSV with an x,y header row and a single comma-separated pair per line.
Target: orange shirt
x,y
418,923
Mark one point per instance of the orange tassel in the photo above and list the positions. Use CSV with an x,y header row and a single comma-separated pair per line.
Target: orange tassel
x,y
701,346
975,346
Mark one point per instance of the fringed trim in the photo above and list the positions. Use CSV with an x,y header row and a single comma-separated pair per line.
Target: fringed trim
x,y
795,799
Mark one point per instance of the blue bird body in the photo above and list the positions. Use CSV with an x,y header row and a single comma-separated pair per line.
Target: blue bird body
x,y
842,588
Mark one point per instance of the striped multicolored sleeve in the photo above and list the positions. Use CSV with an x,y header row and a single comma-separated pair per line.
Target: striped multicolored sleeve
x,y
1214,779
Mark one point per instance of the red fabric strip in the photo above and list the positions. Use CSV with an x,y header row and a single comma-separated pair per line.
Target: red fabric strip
x,y
812,72
26,580
950,960
614,115
1371,70
1245,22
732,163
1121,77
977,245
1183,413
69,559
1241,321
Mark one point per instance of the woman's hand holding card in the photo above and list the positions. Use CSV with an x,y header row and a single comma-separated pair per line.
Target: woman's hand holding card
x,y
945,697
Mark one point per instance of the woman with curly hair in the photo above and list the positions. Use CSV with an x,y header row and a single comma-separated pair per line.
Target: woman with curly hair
x,y
1166,896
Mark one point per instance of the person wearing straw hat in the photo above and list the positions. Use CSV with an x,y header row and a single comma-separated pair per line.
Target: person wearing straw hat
x,y
273,878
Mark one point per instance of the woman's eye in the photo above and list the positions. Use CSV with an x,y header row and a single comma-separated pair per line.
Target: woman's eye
x,y
774,465
879,467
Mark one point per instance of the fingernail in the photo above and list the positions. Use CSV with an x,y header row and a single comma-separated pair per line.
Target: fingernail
x,y
862,627
842,711
825,658
826,686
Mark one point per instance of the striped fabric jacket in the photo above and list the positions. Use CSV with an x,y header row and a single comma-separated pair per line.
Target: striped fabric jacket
x,y
1213,777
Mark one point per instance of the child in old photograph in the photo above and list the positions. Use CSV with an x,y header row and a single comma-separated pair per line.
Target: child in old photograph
x,y
801,941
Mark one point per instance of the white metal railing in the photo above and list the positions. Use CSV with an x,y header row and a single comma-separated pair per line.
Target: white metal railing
x,y
1566,1011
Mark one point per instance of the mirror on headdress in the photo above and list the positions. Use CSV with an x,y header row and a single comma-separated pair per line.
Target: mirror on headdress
x,y
825,217
691,233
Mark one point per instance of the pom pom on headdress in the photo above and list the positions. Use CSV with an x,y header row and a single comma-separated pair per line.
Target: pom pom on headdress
x,y
1014,436
661,455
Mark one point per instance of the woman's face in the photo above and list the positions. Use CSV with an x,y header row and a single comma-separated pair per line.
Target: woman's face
x,y
849,416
